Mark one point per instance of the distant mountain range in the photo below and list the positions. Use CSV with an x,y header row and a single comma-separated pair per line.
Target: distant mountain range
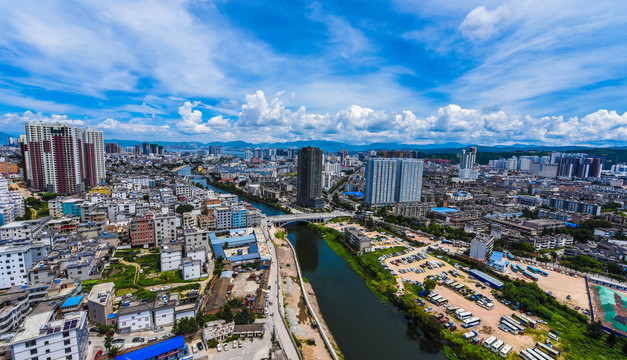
x,y
334,146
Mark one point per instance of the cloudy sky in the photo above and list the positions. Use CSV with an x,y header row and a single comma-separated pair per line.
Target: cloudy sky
x,y
414,71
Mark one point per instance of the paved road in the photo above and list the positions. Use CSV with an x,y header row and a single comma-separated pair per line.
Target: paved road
x,y
282,332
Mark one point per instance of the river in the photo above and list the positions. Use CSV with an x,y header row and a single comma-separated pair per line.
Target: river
x,y
364,327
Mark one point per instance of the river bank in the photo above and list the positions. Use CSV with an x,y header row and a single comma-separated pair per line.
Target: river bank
x,y
301,323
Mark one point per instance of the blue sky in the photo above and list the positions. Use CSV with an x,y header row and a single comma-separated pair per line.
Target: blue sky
x,y
480,72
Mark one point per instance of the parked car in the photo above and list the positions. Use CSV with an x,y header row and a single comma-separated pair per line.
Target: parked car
x,y
226,347
199,345
138,340
234,344
240,343
151,339
219,347
159,328
98,354
194,349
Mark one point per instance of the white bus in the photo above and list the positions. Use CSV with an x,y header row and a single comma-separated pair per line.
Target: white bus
x,y
473,321
464,315
489,341
505,350
497,345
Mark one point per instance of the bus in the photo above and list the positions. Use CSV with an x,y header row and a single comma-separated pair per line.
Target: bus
x,y
529,354
548,350
525,320
514,268
520,330
452,309
436,298
489,341
533,270
441,301
543,273
497,345
540,355
505,350
473,321
464,315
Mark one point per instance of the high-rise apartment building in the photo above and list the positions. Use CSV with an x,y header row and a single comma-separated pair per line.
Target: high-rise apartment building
x,y
215,150
62,158
390,181
309,189
468,159
113,148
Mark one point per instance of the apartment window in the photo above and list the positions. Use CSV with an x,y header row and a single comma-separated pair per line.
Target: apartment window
x,y
46,342
31,343
66,333
68,350
66,342
33,351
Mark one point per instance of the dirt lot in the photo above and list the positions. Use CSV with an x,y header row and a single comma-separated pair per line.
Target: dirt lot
x,y
599,312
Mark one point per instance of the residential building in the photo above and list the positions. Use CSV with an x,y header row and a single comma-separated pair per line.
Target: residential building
x,y
390,181
165,228
184,190
196,237
223,217
7,168
170,257
43,337
23,230
62,158
575,206
481,247
100,302
17,260
414,210
142,231
133,318
191,269
309,189
11,203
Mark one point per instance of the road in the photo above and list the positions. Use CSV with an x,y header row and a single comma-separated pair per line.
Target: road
x,y
275,310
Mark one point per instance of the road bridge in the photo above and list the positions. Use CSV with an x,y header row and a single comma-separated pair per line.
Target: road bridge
x,y
282,220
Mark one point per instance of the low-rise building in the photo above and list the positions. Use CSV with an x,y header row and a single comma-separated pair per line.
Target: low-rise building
x,y
171,256
191,269
43,337
481,247
100,302
356,238
134,317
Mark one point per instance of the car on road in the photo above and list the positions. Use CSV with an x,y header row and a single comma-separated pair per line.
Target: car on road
x,y
167,287
159,328
154,289
118,341
94,330
151,339
98,354
138,340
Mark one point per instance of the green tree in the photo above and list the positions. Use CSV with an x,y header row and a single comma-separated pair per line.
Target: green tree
x,y
611,339
595,330
183,208
625,348
113,351
429,285
108,341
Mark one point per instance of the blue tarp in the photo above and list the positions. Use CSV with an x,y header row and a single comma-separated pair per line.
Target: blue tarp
x,y
112,316
444,210
159,348
73,301
355,193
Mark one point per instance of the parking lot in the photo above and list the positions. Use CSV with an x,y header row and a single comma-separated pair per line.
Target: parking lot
x,y
415,266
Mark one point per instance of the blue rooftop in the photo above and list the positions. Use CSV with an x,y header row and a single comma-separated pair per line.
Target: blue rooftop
x,y
444,210
355,193
73,301
112,316
159,348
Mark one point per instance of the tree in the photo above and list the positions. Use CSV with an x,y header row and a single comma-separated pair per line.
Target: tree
x,y
185,325
611,339
113,351
595,330
146,197
108,342
183,208
429,285
226,314
625,348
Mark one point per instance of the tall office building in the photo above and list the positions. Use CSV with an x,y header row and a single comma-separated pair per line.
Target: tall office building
x,y
309,188
390,181
62,158
146,148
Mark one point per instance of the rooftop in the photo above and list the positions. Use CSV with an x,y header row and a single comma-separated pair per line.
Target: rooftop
x,y
151,351
73,301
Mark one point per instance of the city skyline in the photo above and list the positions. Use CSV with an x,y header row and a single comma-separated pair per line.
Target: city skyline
x,y
418,73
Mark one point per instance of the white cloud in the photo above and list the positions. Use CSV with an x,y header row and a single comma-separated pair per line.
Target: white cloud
x,y
482,23
29,116
112,126
192,121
